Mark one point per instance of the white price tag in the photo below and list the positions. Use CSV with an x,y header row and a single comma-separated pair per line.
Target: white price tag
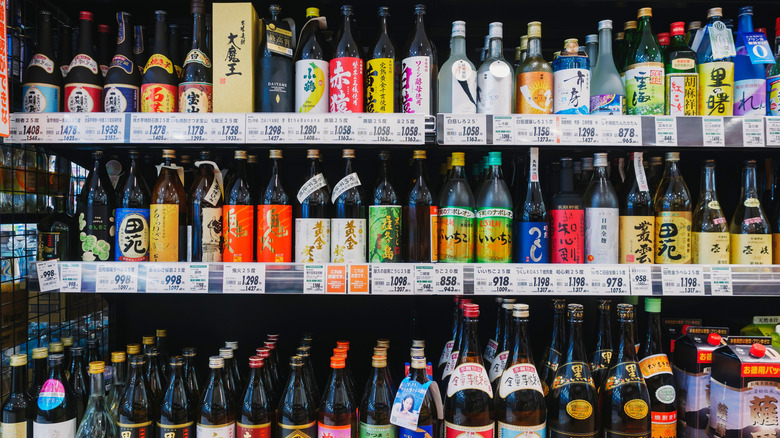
x,y
682,280
572,279
423,279
448,278
190,128
494,279
465,129
70,277
665,131
341,128
621,130
610,279
272,128
28,127
70,129
713,131
720,280
536,130
243,278
503,130
48,275
753,132
773,131
177,277
535,279
116,277
578,130
641,279
226,128
378,128
313,279
392,278
151,128
103,128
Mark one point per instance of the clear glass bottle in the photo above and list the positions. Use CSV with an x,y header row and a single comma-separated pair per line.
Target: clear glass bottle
x,y
751,234
534,81
98,422
119,362
495,77
607,94
456,215
709,227
673,211
571,80
637,215
458,76
602,214
494,216
645,70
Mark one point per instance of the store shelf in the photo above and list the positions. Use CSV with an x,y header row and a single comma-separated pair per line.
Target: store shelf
x,y
405,279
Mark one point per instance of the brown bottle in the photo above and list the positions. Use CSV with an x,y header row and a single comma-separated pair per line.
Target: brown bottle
x,y
159,87
217,414
168,215
338,412
552,355
256,413
136,406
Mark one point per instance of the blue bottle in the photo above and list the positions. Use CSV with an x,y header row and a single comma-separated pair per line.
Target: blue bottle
x,y
532,241
571,80
749,78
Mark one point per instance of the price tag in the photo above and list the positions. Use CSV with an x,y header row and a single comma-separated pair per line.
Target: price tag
x,y
535,130
465,129
494,279
713,131
116,277
535,279
665,131
380,128
409,128
753,132
69,129
358,279
70,277
503,130
190,128
572,279
103,128
273,128
313,279
578,130
48,275
342,128
720,280
151,128
226,128
682,280
610,279
448,278
621,130
336,279
423,279
28,128
773,131
243,278
392,278
177,277
641,279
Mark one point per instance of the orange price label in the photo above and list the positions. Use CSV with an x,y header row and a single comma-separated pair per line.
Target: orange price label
x,y
336,279
358,279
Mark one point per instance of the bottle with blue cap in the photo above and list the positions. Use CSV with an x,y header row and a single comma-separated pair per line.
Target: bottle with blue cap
x,y
749,78
494,216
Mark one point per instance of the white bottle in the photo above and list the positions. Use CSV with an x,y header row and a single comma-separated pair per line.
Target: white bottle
x,y
495,78
457,76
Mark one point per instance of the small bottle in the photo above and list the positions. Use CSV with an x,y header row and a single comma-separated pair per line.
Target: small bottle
x,y
602,356
457,77
255,413
190,375
657,372
419,224
532,234
238,215
419,70
207,238
274,79
607,94
274,218
311,70
751,234
159,86
645,70
672,204
567,220
297,413
196,87
494,216
42,80
682,81
346,69
96,214
571,80
55,414
709,227
749,79
495,77
637,216
456,216
716,67
84,82
18,411
601,216
348,224
168,214
338,413
312,215
132,215
216,415
119,363
377,402
384,217
57,233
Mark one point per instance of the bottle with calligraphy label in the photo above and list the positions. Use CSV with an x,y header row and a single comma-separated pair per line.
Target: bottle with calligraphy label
x,y
624,401
673,211
311,68
419,224
494,216
602,356
64,54
140,46
454,351
381,88
123,79
275,63
377,402
206,202
552,355
468,406
601,216
216,416
456,215
498,360
95,214
346,69
177,410
749,78
98,420
57,235
457,88
274,218
645,70
495,78
337,416
238,215
428,421
682,81
196,87
297,413
384,217
168,214
773,78
534,77
716,67
419,70
567,220
637,217
709,228
42,79
572,401
312,215
77,380
190,375
532,223
520,407
492,346
255,413
18,410
607,94
348,223
571,80
84,82
159,85
56,409
657,372
132,215
751,234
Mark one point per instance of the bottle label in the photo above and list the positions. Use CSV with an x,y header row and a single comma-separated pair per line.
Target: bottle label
x,y
494,235
568,235
348,244
445,354
750,97
132,234
682,94
663,424
86,61
346,85
519,377
600,360
278,40
52,395
614,434
312,185
120,99
716,83
42,61
158,60
776,249
325,431
253,431
456,235
666,394
533,245
510,431
571,373
494,89
164,233
608,104
673,237
654,365
212,237
196,97
416,85
175,430
83,98
464,88
222,431
40,98
601,238
451,361
773,95
469,376
490,351
311,86
434,231
710,248
121,62
645,88
751,249
535,93
621,374
457,431
571,91
312,240
137,430
14,430
96,233
348,182
636,239
384,233
421,432
198,57
380,85
239,233
302,431
274,237
65,429
50,245
407,402
158,98
378,430
275,87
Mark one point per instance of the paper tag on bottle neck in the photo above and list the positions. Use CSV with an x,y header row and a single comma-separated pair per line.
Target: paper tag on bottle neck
x,y
345,184
179,171
721,41
312,185
408,399
534,171
217,187
639,171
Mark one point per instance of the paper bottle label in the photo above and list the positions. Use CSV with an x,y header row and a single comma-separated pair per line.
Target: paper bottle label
x,y
274,233
65,429
682,94
510,431
464,88
751,249
773,95
120,98
673,237
535,93
456,235
40,98
238,223
494,89
645,88
253,431
213,239
158,98
223,431
196,97
494,235
164,233
132,234
302,431
186,430
83,98
571,91
311,86
469,376
716,88
636,239
710,248
416,85
312,240
532,242
567,235
750,97
601,239
325,431
348,242
346,85
608,104
518,377
384,233
456,431
378,430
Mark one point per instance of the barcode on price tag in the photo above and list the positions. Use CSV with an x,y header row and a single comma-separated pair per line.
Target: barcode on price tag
x,y
313,279
534,130
116,277
572,280
423,278
610,279
448,278
665,131
720,280
70,277
713,131
243,278
682,280
465,129
177,277
48,275
753,132
535,279
494,280
392,278
641,279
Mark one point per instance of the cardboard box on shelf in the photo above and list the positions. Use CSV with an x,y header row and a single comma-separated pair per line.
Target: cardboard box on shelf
x,y
235,43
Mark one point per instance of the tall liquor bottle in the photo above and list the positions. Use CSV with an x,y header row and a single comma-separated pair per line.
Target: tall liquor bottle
x,y
238,215
637,221
40,356
624,401
457,77
377,402
773,78
98,420
119,363
497,363
709,228
175,48
629,32
428,421
311,70
132,215
154,376
195,89
207,236
168,214
346,70
534,81
749,78
468,406
602,356
140,48
77,380
17,411
312,223
592,48
103,48
337,415
492,345
532,243
693,28
159,86
672,204
419,224
601,216
567,220
446,352
419,70
42,79
716,67
573,399
297,413
571,80
456,215
384,217
495,77
552,355
521,52
84,82
274,218
96,214
177,410
123,80
216,416
657,371
607,94
231,379
645,70
190,375
682,81
55,414
255,412
381,93
275,64
348,223
57,235
494,216
751,234
520,407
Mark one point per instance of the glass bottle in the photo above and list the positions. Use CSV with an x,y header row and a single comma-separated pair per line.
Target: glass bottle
x,y
255,412
456,216
84,82
495,77
297,413
607,94
207,238
629,32
238,215
586,176
273,362
148,344
98,420
337,414
17,411
419,70
232,381
601,216
174,48
196,87
428,421
693,28
458,76
552,355
216,415
122,79
446,352
751,234
96,214
55,415
419,224
77,380
377,402
161,342
571,80
190,374
663,41
384,217
153,376
119,362
532,223
380,75
592,48
140,52
311,68
494,216
673,211
42,81
312,215
346,69
523,51
159,85
504,342
57,236
177,408
602,356
657,372
749,79
168,214
348,223
40,357
492,345
64,56
716,67
567,220
682,81
773,78
637,217
275,64
274,218
93,353
645,70
132,215
709,227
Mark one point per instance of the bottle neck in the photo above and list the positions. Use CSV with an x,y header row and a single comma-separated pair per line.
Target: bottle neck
x,y
506,335
314,167
161,37
138,43
85,38
749,188
520,348
534,47
458,172
18,374
496,48
600,174
567,179
56,372
44,39
216,376
275,169
96,385
136,374
677,40
671,170
458,46
627,347
644,27
653,344
708,180
240,173
177,373
124,42
417,374
383,25
605,43
39,370
575,351
347,25
469,343
419,25
745,23
119,373
198,29
605,328
495,172
384,170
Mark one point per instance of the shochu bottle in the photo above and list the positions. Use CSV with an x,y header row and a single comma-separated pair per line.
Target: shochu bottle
x,y
123,79
346,70
206,238
132,215
602,356
56,405
312,219
709,229
348,223
384,217
18,409
311,70
337,416
552,355
751,234
456,215
567,220
377,403
657,371
40,357
672,215
419,224
96,214
532,234
42,80
254,418
428,421
84,82
274,218
176,415
168,214
78,381
216,416
238,215
381,69
159,87
573,398
274,81
637,221
195,89
419,70
191,375
297,413
494,216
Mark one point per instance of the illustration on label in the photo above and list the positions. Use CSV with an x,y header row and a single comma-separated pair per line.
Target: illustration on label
x,y
384,225
311,86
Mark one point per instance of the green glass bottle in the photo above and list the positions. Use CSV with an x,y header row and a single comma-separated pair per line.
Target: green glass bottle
x,y
456,215
494,216
682,81
645,70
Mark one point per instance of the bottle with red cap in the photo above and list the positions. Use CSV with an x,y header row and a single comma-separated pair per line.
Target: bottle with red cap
x,y
663,40
84,82
255,415
341,351
297,413
682,81
452,359
273,360
468,405
337,417
217,414
123,79
159,87
42,80
657,372
104,48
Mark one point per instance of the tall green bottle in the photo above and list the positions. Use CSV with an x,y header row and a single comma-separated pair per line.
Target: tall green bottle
x,y
645,70
456,215
494,216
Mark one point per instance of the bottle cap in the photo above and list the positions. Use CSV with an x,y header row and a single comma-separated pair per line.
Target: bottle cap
x,y
587,163
471,311
312,12
605,305
577,167
56,359
296,361
380,351
694,25
684,328
418,155
226,352
239,155
419,8
625,312
137,359
97,367
337,362
600,160
312,153
263,352
535,29
275,153
252,159
745,10
678,28
459,29
620,36
714,339
592,38
161,333
458,159
147,340
68,342
18,360
521,311
340,352
757,350
645,12
198,7
524,42
342,344
40,353
56,347
378,361
417,352
571,45
559,305
273,337
255,362
348,153
384,155
604,24
189,352
494,159
271,345
103,28
777,25
714,12
653,305
672,156
176,361
216,362
574,312
231,344
169,153
663,38
133,348
383,343
152,352
656,159
496,30
86,15
418,363
76,350
118,356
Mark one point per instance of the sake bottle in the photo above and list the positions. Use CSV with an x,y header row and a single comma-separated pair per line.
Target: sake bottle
x,y
673,211
637,216
709,229
456,216
494,216
751,234
457,85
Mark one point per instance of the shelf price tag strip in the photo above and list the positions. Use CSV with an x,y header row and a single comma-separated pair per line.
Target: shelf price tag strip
x,y
572,279
641,279
113,277
243,278
447,279
665,131
753,132
535,279
392,279
610,280
620,130
177,277
584,130
465,129
773,131
494,279
682,280
48,275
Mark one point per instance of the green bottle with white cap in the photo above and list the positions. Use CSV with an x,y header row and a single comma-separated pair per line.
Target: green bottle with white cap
x,y
494,215
655,367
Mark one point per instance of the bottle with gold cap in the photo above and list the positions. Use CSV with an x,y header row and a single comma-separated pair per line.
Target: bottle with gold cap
x,y
297,413
571,80
312,215
348,223
168,214
428,420
97,421
311,68
238,215
644,70
56,409
716,67
384,217
153,375
337,415
217,413
255,415
232,381
191,374
304,351
673,211
18,410
161,342
420,216
534,94
751,234
377,402
148,343
56,347
176,415
274,218
456,216
521,52
709,228
119,362
629,32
